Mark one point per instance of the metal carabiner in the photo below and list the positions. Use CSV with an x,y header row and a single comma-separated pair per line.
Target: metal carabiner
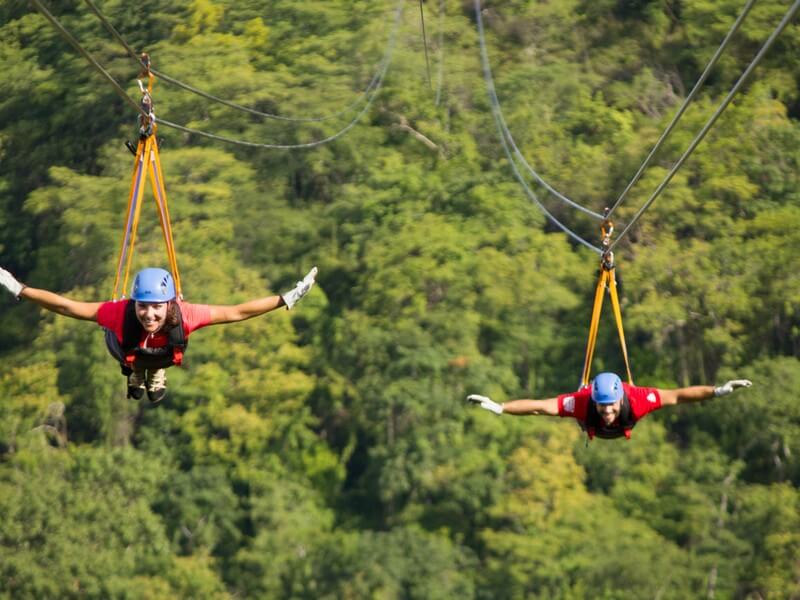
x,y
144,58
607,260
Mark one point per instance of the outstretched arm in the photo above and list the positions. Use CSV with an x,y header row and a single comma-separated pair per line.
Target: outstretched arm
x,y
86,311
697,393
548,407
247,310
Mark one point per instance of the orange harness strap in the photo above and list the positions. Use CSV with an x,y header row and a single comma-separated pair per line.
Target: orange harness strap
x,y
147,161
606,280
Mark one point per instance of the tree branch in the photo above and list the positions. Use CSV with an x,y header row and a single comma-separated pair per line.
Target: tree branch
x,y
403,124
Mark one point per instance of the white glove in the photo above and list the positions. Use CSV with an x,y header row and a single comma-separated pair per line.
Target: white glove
x,y
8,281
486,402
727,388
291,297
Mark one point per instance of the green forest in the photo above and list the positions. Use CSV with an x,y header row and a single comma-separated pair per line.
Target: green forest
x,y
328,452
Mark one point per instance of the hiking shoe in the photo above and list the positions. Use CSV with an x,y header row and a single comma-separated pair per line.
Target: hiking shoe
x,y
156,385
293,296
136,384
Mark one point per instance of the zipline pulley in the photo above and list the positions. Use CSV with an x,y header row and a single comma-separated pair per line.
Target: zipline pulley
x,y
606,231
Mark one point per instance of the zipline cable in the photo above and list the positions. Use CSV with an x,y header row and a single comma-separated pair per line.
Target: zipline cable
x,y
531,194
767,45
75,44
148,148
127,98
425,43
348,127
185,86
440,66
505,133
504,130
734,28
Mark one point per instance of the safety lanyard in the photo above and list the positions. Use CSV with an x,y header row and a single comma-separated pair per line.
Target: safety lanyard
x,y
605,281
147,161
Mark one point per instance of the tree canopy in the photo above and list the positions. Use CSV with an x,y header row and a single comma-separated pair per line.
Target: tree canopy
x,y
327,452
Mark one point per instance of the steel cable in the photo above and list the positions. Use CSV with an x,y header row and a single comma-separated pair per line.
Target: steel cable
x,y
228,103
734,28
504,130
723,105
531,194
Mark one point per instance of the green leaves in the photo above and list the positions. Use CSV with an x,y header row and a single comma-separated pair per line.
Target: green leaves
x,y
327,452
83,517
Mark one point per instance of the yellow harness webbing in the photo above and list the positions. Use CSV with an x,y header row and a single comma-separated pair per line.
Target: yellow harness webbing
x,y
147,161
606,280
132,222
160,193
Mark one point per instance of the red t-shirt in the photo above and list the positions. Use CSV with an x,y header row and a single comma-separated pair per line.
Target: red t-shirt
x,y
111,315
576,405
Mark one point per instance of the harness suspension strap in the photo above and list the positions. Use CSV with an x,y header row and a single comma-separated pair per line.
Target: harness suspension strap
x,y
606,280
126,234
612,289
160,194
134,205
594,326
147,161
137,212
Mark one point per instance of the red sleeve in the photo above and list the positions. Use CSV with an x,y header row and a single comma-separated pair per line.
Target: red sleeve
x,y
195,316
111,315
643,400
575,405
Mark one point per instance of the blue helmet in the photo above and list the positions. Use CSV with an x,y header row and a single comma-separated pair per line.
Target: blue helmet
x,y
153,285
607,388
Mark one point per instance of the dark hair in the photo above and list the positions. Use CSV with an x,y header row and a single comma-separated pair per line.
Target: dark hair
x,y
173,317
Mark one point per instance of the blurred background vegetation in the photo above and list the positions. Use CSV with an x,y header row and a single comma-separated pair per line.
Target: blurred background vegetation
x,y
328,452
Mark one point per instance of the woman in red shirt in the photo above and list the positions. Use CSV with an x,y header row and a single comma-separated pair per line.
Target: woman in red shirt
x,y
149,332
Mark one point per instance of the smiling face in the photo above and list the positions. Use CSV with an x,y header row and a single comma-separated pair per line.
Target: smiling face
x,y
152,315
609,412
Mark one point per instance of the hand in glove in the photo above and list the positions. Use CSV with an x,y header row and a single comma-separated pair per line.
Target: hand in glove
x,y
486,402
727,388
8,281
294,295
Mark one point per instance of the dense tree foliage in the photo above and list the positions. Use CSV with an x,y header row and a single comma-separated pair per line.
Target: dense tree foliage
x,y
327,452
